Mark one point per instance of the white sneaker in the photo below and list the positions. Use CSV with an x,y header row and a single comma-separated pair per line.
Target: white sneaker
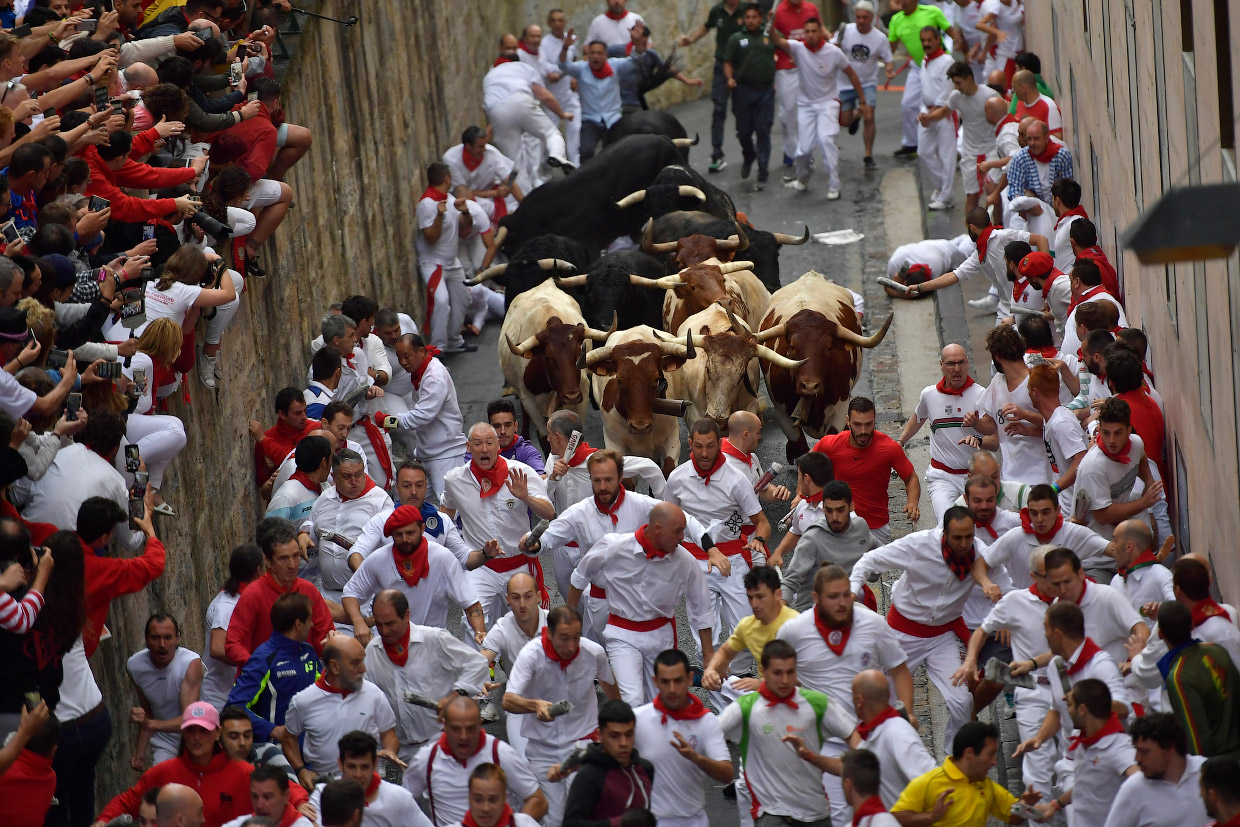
x,y
790,183
833,195
206,370
939,205
798,185
987,303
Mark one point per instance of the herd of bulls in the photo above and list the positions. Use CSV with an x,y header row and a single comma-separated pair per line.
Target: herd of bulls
x,y
688,325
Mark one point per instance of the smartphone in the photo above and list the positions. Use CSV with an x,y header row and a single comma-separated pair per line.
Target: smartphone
x,y
118,108
140,480
178,163
72,406
139,379
9,230
235,73
90,26
57,359
21,31
137,510
148,231
253,96
110,370
101,98
132,460
49,113
98,204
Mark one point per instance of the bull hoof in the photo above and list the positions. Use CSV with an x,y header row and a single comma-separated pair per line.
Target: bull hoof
x,y
508,390
793,450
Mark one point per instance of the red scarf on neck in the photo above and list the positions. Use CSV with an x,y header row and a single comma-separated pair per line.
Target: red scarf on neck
x,y
694,710
1088,650
1045,352
866,727
651,552
311,486
822,43
1007,119
321,683
1207,609
617,15
521,45
582,454
490,481
937,53
373,786
605,72
553,655
628,49
994,535
1018,287
983,240
416,376
289,816
275,586
835,637
1026,523
1084,587
505,818
1078,210
615,506
366,489
871,806
774,700
960,568
1034,591
471,163
1086,296
398,654
706,477
414,566
941,387
731,450
1144,560
502,59
1052,149
812,499
1122,456
1111,727
434,194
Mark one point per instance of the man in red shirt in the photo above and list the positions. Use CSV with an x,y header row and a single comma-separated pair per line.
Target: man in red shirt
x,y
251,619
111,169
274,146
864,457
790,17
278,441
1083,236
28,785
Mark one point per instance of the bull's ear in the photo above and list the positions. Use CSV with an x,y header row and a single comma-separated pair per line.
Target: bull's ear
x,y
704,330
553,321
607,367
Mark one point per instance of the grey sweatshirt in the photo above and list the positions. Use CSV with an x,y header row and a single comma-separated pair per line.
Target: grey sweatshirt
x,y
818,546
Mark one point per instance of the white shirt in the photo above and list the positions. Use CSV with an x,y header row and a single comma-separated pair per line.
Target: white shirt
x,y
1097,774
79,693
508,81
220,675
818,72
500,516
1064,439
804,515
722,507
1072,342
871,645
927,592
15,400
1009,19
864,52
518,820
1013,550
1042,224
435,417
994,267
677,790
1109,618
393,807
1061,246
1024,457
945,413
1100,667
141,361
162,689
1145,802
371,539
1108,481
506,639
1021,612
1148,584
935,87
76,475
343,517
325,716
491,171
613,32
549,53
445,584
171,304
901,756
978,605
437,664
939,254
979,135
575,485
534,676
443,252
300,821
584,524
436,773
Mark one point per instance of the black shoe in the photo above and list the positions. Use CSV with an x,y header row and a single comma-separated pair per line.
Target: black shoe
x,y
869,162
467,347
908,152
254,268
729,792
564,166
854,126
762,177
746,167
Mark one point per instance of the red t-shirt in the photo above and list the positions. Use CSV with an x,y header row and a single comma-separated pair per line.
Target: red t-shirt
x,y
867,471
26,790
790,22
1147,423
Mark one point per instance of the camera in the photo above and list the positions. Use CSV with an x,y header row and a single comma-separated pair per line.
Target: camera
x,y
210,225
72,406
132,459
57,359
214,273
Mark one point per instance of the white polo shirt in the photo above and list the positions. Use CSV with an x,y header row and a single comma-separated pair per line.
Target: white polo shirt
x,y
444,585
437,664
582,523
1014,549
994,267
1108,481
1148,584
804,515
677,790
500,516
436,773
944,413
346,518
534,676
372,539
575,485
1021,612
1097,774
901,755
1024,457
1109,618
325,716
1061,250
491,171
443,252
506,639
871,645
1146,802
1100,667
393,807
927,592
723,506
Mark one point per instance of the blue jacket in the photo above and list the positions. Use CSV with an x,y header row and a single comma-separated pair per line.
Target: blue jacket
x,y
522,450
277,670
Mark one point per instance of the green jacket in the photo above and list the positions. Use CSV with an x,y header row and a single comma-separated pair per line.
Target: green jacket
x,y
752,55
1204,688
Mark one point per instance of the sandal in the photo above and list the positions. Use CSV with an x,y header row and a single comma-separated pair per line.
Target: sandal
x,y
164,509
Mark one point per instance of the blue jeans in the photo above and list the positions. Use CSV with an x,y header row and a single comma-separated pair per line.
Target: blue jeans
x,y
592,133
754,108
82,742
719,114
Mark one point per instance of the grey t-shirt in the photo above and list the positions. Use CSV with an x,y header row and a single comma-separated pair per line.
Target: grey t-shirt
x,y
818,546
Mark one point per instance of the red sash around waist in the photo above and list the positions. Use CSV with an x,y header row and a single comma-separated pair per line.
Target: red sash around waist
x,y
934,463
637,625
901,623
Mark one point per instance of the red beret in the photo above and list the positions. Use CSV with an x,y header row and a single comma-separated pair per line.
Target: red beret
x,y
1036,264
402,516
920,270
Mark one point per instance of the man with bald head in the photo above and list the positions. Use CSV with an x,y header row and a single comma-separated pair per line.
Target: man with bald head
x,y
646,573
886,733
744,436
178,806
1036,168
1031,103
509,635
943,405
1013,495
1141,578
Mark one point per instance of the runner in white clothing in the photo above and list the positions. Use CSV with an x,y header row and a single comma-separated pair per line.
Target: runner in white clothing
x,y
485,174
1005,410
1140,577
488,800
1109,472
387,804
559,84
1062,434
412,488
738,447
507,637
968,101
1066,201
435,415
441,221
167,678
888,735
861,778
516,104
1109,618
936,133
921,261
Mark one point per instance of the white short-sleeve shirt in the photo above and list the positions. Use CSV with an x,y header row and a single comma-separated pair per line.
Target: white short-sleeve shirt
x,y
1024,457
864,52
436,773
325,716
902,756
393,807
443,251
171,304
871,645
444,585
944,412
819,71
534,676
722,506
979,135
1108,481
500,516
677,790
1098,773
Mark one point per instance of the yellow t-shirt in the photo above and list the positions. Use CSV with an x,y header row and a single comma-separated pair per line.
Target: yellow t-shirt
x,y
972,802
752,635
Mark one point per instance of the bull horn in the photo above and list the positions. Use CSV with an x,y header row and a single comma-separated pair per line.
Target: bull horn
x,y
489,273
523,349
556,264
687,191
784,238
771,333
633,198
581,356
728,267
500,235
689,352
648,243
604,335
665,283
596,355
570,281
736,325
686,141
864,341
776,358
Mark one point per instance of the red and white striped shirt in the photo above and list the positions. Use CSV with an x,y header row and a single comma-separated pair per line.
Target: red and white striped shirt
x,y
17,617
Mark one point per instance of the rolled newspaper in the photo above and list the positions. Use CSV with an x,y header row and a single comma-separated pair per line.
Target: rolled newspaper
x,y
894,285
573,441
532,540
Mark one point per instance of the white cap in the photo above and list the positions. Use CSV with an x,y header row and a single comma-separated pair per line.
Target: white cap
x,y
863,5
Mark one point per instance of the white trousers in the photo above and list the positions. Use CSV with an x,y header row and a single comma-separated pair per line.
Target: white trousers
x,y
910,105
943,488
632,657
572,129
224,314
787,87
817,125
520,115
159,439
936,149
595,618
941,654
1036,766
841,813
485,305
563,560
447,301
727,595
541,757
491,587
436,470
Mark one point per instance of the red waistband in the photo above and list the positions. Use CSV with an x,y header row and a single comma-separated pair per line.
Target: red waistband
x,y
903,624
731,548
637,625
573,544
934,463
748,530
598,592
696,550
507,563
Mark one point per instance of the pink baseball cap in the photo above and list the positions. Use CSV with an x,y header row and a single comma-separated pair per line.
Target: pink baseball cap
x,y
200,714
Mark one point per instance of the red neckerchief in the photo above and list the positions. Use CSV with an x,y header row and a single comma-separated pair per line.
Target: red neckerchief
x,y
605,72
398,654
471,163
373,786
1084,587
582,454
366,489
812,499
1122,456
502,59
617,15
521,45
505,818
1111,727
774,700
1034,591
321,683
414,566
983,240
832,633
937,53
1234,822
1086,296
434,194
1018,287
490,481
1144,560
628,49
866,727
416,376
615,506
731,450
941,387
1007,119
871,806
1078,210
1052,149
824,43
550,652
275,586
706,477
1045,352
651,552
994,535
348,359
311,486
1207,609
1088,650
961,569
694,710
289,816
446,749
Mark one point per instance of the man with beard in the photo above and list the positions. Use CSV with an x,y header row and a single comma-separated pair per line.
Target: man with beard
x,y
926,603
646,574
269,800
425,572
412,487
840,537
494,499
167,678
387,804
339,701
1005,403
1052,282
814,471
864,457
1167,790
834,642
